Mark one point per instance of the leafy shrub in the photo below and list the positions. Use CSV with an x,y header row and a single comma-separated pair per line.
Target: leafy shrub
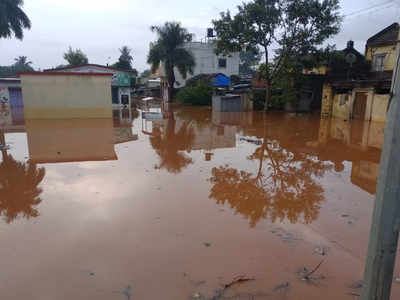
x,y
199,94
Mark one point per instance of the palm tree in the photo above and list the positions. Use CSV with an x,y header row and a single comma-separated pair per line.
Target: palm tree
x,y
169,51
13,19
22,64
19,191
22,61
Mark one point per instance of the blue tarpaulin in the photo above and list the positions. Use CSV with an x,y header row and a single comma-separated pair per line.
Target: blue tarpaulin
x,y
220,80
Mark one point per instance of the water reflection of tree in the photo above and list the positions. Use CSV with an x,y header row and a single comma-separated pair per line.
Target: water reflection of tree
x,y
19,191
170,145
284,186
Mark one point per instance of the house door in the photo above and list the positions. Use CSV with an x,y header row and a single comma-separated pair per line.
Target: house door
x,y
17,106
360,106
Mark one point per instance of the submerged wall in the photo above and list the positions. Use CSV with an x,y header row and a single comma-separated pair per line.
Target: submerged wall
x,y
66,95
379,107
340,106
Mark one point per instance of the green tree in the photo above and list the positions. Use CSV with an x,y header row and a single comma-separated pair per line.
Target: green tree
x,y
248,61
168,50
297,27
125,60
75,57
13,19
22,64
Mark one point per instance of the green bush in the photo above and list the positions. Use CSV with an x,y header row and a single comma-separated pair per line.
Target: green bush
x,y
199,94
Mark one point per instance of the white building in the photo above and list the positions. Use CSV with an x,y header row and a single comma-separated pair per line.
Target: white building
x,y
207,62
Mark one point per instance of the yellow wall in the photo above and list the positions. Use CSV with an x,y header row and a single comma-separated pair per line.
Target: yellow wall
x,y
341,111
66,96
379,107
390,52
327,101
52,141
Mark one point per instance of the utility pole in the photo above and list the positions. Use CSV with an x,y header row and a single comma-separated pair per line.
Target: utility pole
x,y
382,249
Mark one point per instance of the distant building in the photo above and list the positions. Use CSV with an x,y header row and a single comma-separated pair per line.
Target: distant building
x,y
207,62
121,81
381,51
366,96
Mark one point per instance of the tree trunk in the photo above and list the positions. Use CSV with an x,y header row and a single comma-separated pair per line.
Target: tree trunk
x,y
267,93
3,145
267,81
171,83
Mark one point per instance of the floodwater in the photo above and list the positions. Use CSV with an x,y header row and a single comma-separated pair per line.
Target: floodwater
x,y
180,204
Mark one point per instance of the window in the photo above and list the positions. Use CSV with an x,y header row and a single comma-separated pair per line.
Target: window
x,y
379,62
222,63
343,99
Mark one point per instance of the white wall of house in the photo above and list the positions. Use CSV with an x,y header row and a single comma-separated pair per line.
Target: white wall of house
x,y
207,62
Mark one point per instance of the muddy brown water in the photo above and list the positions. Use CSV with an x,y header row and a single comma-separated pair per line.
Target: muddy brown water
x,y
177,205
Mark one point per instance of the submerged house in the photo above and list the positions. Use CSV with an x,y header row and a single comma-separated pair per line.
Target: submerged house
x,y
11,101
364,95
66,95
122,80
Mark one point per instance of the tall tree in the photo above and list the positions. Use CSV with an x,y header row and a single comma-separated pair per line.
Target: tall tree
x,y
296,27
13,19
168,50
75,57
125,60
22,63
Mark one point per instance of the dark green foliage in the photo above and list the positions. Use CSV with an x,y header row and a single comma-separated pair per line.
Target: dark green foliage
x,y
13,19
168,50
297,26
21,65
199,94
75,57
258,97
339,68
125,60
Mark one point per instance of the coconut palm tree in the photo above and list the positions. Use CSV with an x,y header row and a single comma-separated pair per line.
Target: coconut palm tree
x,y
22,61
169,51
13,19
19,191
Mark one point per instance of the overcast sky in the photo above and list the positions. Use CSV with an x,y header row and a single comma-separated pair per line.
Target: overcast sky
x,y
100,27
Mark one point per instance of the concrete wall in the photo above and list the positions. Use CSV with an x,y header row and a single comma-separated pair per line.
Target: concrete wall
x,y
379,107
207,62
69,96
327,101
332,106
390,52
341,110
